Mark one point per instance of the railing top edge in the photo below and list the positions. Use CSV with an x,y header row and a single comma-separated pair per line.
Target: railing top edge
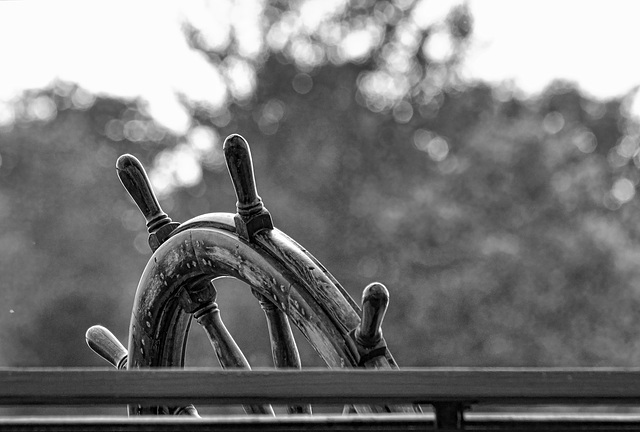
x,y
91,386
483,373
402,371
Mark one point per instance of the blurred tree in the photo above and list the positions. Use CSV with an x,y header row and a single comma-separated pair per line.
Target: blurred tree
x,y
66,227
503,226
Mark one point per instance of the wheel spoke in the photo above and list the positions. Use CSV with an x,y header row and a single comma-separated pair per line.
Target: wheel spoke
x,y
283,346
226,349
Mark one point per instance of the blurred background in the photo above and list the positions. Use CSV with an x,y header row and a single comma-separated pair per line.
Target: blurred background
x,y
478,158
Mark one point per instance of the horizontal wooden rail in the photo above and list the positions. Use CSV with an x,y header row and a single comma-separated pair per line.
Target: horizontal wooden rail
x,y
180,386
375,422
256,423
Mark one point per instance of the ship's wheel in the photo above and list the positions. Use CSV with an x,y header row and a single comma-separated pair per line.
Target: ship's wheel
x,y
290,284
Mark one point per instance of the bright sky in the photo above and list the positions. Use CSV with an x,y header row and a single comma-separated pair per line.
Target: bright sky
x,y
535,41
119,47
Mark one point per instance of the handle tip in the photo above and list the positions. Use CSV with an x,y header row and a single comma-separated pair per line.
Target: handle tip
x,y
252,216
376,294
91,333
375,299
125,161
235,142
134,178
95,334
106,345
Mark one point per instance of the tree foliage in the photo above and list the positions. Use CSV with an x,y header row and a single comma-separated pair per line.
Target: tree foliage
x,y
503,226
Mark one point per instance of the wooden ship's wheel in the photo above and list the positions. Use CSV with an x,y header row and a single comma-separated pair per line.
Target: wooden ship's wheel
x,y
290,284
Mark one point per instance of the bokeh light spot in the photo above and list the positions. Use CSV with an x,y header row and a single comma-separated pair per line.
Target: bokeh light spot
x,y
247,27
585,140
438,149
241,77
178,167
306,53
623,190
43,108
357,44
155,132
438,47
272,113
421,139
188,171
201,139
134,130
314,12
302,83
114,130
82,99
553,122
205,142
628,147
403,112
616,160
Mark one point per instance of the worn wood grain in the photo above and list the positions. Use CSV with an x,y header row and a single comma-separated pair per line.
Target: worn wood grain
x,y
181,386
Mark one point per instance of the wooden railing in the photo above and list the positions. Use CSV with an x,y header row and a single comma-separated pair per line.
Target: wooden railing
x,y
500,393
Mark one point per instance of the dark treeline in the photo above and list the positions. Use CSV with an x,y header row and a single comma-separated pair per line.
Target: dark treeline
x,y
504,226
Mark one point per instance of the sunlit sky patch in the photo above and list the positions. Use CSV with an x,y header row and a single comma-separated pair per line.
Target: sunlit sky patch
x,y
138,49
533,42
